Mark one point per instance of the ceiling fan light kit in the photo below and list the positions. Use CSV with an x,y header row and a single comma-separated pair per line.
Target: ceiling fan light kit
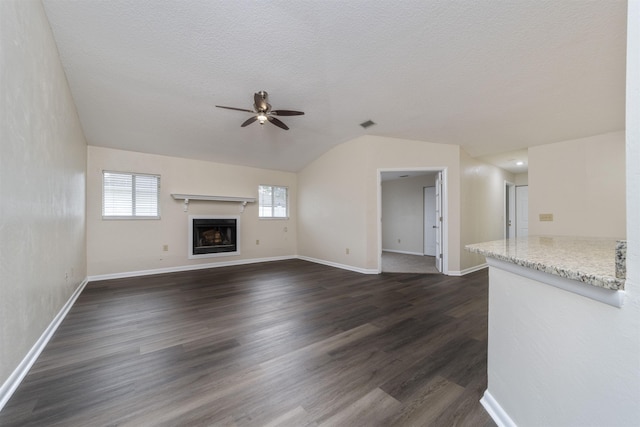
x,y
262,111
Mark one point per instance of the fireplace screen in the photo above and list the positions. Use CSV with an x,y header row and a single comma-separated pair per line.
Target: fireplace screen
x,y
213,236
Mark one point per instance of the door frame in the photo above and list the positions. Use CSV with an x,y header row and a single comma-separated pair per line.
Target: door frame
x,y
424,218
509,210
445,210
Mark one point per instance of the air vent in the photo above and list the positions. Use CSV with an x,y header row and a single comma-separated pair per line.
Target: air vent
x,y
367,124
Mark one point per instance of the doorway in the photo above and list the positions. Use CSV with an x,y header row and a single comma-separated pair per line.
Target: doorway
x,y
430,221
509,210
412,225
516,210
522,210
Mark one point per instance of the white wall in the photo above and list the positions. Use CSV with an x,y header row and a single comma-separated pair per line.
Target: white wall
x,y
560,359
522,179
339,190
120,246
632,285
42,182
403,213
582,183
481,204
583,366
338,198
633,163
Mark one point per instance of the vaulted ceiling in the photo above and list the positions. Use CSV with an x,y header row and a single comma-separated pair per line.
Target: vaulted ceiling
x,y
491,76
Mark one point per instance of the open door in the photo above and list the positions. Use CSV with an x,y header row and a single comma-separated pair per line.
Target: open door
x,y
430,224
510,210
522,210
439,221
434,191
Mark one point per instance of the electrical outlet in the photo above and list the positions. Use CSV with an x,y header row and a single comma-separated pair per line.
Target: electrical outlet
x,y
286,229
165,248
346,251
546,217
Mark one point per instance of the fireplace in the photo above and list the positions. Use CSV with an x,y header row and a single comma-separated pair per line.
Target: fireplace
x,y
212,235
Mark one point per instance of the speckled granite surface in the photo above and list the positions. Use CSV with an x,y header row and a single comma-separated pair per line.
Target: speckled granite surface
x,y
621,259
588,260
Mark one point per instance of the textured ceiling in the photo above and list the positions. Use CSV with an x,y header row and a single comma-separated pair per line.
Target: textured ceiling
x,y
491,76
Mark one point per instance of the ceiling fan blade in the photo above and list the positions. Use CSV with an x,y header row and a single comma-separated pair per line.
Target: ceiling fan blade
x,y
287,113
249,121
277,123
234,108
260,100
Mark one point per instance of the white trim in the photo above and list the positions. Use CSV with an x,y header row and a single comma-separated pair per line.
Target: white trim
x,y
445,211
134,192
495,411
611,297
176,269
213,198
187,197
273,187
505,206
190,253
469,270
336,265
11,384
404,252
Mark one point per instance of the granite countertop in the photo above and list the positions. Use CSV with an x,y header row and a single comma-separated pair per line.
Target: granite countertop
x,y
588,260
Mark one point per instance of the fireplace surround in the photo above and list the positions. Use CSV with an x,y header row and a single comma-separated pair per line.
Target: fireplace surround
x,y
213,236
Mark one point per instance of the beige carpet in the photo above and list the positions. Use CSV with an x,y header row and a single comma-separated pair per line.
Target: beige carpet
x,y
402,263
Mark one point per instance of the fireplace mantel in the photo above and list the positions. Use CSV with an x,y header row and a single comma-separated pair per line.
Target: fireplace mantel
x,y
187,197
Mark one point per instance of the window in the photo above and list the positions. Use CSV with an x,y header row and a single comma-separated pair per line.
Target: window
x,y
130,195
273,201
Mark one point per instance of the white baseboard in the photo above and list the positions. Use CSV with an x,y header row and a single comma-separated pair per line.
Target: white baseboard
x,y
468,270
337,265
176,269
495,411
11,384
403,252
186,268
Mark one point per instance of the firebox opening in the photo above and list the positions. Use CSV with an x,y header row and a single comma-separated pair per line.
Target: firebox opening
x,y
213,236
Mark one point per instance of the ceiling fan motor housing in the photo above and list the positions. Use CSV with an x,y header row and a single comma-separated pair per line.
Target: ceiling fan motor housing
x,y
262,111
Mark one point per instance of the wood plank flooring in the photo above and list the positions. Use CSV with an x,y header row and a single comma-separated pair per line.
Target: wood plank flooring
x,y
288,343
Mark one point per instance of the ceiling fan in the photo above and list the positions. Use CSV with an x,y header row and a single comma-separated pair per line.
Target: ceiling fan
x,y
262,111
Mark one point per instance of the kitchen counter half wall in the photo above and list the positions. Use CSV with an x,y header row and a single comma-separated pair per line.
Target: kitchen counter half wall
x,y
587,260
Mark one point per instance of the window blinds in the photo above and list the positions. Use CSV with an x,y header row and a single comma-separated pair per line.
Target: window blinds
x,y
273,201
130,195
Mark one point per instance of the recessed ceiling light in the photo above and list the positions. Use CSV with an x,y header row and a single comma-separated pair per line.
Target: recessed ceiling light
x,y
519,163
367,124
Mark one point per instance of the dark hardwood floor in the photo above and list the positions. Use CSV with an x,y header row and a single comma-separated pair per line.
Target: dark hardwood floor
x,y
288,343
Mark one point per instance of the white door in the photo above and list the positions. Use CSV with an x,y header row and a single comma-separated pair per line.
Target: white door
x,y
510,214
430,221
439,222
522,211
